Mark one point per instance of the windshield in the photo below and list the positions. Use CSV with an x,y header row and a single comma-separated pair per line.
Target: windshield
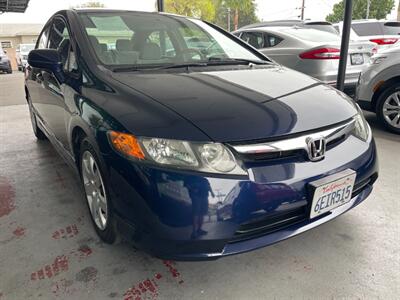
x,y
142,39
27,47
377,28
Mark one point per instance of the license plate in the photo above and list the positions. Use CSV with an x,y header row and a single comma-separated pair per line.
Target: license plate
x,y
357,59
331,192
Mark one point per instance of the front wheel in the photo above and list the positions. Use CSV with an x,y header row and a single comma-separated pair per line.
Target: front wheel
x,y
388,108
96,192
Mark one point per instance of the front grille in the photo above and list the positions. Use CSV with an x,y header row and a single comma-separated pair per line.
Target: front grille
x,y
270,223
274,155
292,146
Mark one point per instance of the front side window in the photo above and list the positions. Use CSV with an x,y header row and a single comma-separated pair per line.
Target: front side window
x,y
44,37
59,39
151,39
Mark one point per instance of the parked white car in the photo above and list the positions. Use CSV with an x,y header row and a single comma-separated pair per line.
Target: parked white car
x,y
379,88
384,33
22,55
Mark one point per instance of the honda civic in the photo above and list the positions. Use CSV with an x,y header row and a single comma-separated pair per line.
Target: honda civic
x,y
188,142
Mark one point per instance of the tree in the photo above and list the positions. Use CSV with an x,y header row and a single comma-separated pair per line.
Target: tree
x,y
203,9
222,10
379,9
91,4
239,5
398,12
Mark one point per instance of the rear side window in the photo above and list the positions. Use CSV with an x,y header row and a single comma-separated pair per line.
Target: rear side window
x,y
255,39
365,29
271,40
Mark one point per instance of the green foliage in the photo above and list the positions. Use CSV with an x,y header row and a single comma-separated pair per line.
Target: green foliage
x,y
379,9
203,9
247,16
215,11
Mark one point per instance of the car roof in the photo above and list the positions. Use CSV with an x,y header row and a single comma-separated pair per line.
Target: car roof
x,y
286,23
108,10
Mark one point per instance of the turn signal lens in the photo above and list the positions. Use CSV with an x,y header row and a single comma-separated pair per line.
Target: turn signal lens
x,y
126,144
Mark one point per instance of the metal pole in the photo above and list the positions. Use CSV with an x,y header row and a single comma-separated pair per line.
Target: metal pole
x,y
368,6
344,49
160,5
229,19
303,6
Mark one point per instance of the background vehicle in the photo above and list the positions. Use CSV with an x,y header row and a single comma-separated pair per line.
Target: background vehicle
x,y
22,55
5,63
319,25
310,51
379,88
384,33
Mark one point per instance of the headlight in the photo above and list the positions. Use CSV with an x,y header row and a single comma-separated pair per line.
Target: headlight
x,y
361,127
377,60
203,157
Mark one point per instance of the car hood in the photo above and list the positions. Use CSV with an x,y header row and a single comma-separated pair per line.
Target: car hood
x,y
245,103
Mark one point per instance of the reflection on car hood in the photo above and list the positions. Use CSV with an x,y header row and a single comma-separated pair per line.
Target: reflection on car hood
x,y
244,103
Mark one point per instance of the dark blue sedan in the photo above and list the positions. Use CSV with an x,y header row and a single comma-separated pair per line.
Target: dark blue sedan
x,y
189,142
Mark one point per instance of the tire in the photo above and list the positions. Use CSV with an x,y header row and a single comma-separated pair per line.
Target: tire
x,y
388,108
36,130
98,199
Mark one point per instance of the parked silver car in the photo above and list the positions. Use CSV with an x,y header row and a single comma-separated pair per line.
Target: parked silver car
x,y
310,51
5,64
379,88
384,33
319,25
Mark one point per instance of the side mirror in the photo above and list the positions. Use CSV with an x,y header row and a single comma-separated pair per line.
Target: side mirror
x,y
5,51
48,59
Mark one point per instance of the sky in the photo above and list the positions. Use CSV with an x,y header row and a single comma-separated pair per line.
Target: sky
x,y
39,11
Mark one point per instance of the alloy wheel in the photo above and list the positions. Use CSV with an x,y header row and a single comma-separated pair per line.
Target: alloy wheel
x,y
391,110
94,189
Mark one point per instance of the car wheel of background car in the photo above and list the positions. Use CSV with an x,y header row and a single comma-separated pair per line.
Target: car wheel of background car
x,y
96,192
36,130
388,108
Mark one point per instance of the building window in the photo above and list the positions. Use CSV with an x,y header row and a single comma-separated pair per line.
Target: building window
x,y
6,44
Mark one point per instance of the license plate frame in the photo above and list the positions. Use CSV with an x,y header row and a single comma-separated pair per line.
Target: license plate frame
x,y
331,192
357,59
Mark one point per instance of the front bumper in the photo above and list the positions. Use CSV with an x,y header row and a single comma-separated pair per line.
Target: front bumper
x,y
158,212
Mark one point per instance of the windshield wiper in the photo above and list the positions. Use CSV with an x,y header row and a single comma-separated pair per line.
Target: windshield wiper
x,y
217,60
127,69
213,61
185,65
